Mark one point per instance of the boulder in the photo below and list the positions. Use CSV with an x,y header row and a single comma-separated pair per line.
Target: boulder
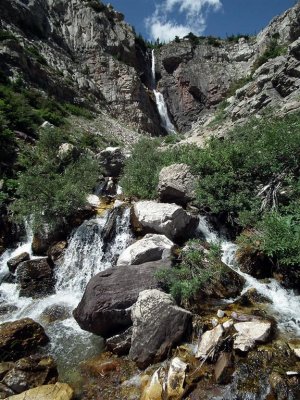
x,y
120,344
224,368
56,251
209,342
30,372
15,261
20,338
176,379
254,262
105,306
170,220
36,278
56,312
250,333
44,239
176,184
158,325
93,201
58,391
112,160
151,248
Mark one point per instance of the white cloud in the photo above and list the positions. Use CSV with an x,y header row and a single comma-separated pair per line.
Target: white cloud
x,y
194,13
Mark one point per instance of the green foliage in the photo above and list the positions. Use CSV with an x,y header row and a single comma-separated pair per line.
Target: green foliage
x,y
195,271
236,38
274,50
34,52
194,40
79,111
214,41
51,187
238,84
6,35
7,141
177,39
220,114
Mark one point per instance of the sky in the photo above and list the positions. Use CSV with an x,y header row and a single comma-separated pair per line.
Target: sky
x,y
165,19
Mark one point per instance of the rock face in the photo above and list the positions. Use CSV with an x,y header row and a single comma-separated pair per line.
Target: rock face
x,y
28,373
105,306
250,333
36,278
176,184
14,262
59,391
167,219
19,338
158,325
151,248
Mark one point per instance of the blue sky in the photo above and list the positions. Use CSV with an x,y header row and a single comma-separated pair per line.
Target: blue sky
x,y
167,18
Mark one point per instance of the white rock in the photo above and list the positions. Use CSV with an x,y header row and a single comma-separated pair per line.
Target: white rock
x,y
65,149
220,314
250,333
214,322
209,340
47,124
176,378
228,324
152,247
93,200
168,219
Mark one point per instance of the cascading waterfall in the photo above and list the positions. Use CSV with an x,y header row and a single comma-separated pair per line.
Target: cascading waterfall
x,y
285,304
85,256
160,102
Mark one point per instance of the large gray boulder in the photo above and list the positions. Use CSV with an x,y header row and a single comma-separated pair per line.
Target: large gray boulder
x,y
158,325
151,248
105,306
176,184
251,333
170,220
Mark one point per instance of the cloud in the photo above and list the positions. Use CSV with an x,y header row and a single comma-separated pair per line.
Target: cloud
x,y
194,12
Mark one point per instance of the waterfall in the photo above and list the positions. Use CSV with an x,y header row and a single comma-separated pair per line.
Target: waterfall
x,y
285,304
160,102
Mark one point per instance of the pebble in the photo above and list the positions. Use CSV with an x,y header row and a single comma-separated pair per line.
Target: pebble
x,y
220,314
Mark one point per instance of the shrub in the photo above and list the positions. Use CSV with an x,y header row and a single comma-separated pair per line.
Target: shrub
x,y
214,41
35,53
274,50
236,38
238,84
6,35
49,188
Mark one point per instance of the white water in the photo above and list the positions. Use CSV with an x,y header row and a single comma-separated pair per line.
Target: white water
x,y
285,305
160,102
84,257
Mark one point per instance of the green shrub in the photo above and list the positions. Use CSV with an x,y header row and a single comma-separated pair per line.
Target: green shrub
x,y
195,271
35,53
238,84
236,38
274,50
214,41
50,188
6,35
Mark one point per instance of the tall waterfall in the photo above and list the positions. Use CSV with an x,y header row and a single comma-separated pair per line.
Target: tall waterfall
x,y
285,304
160,102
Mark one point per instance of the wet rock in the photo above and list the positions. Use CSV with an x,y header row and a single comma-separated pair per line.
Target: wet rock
x,y
168,219
5,392
176,184
93,201
120,344
43,240
36,278
254,263
176,379
105,306
57,250
209,342
6,308
250,298
224,368
151,248
15,261
58,391
158,325
19,338
8,278
251,333
295,346
30,372
154,389
56,312
112,160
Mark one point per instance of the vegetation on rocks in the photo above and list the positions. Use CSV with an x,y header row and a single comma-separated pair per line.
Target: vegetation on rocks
x,y
273,50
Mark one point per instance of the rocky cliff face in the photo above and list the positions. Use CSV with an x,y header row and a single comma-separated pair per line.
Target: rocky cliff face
x,y
79,49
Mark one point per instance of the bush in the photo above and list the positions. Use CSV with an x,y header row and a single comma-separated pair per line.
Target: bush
x,y
236,38
195,271
49,188
274,50
6,35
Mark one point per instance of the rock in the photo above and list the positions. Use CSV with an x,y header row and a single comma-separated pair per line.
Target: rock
x,y
250,333
228,324
295,346
19,338
30,372
209,342
93,201
168,219
67,151
5,392
112,160
254,263
154,389
15,261
56,251
176,379
151,248
6,308
56,312
120,344
105,306
250,298
224,368
59,391
158,325
36,278
43,240
220,314
47,124
176,184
